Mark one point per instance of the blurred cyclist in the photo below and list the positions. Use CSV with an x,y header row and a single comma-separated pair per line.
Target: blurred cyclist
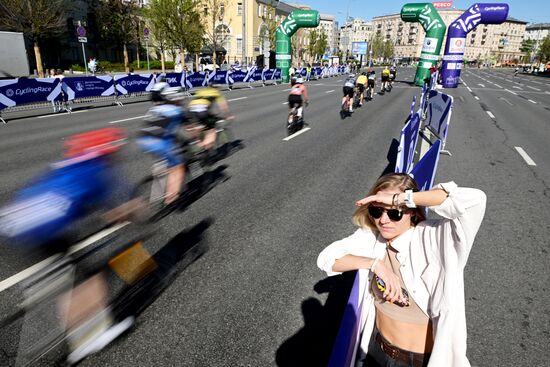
x,y
207,107
161,134
361,81
297,95
371,79
393,74
348,90
47,214
385,79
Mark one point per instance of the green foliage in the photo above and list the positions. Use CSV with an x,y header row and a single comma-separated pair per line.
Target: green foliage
x,y
527,46
77,67
388,50
377,46
321,44
312,44
118,21
544,50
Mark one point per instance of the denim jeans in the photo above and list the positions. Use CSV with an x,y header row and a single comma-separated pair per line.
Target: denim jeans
x,y
377,358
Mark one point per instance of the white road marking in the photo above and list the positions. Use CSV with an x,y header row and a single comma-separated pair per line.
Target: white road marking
x,y
481,85
525,156
286,90
470,89
530,100
533,88
330,91
236,99
296,134
128,119
514,93
60,114
476,97
285,102
496,85
514,86
490,114
22,275
547,92
507,101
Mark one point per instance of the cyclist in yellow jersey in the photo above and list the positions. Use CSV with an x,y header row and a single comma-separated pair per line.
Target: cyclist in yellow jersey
x,y
385,79
202,111
360,83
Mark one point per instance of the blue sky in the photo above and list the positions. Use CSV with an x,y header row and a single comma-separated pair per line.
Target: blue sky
x,y
532,11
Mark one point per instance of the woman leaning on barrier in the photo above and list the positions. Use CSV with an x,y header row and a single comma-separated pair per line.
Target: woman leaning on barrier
x,y
414,310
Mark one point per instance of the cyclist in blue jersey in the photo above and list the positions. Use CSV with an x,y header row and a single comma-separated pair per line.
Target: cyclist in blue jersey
x,y
161,135
47,214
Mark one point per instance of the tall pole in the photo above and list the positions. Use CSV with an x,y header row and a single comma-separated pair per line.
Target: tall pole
x,y
244,33
147,48
84,54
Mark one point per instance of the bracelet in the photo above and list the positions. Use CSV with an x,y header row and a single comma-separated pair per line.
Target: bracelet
x,y
374,264
409,202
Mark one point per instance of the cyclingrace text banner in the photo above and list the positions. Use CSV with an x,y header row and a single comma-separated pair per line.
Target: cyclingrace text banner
x,y
137,83
15,92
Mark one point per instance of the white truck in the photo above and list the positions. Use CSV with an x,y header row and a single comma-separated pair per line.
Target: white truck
x,y
13,56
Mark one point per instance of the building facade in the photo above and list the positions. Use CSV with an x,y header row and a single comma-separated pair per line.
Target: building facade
x,y
495,43
356,30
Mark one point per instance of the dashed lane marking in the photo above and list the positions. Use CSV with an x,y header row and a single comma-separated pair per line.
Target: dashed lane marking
x,y
496,85
515,86
128,119
470,89
491,115
514,93
297,133
525,156
530,100
533,88
330,91
236,99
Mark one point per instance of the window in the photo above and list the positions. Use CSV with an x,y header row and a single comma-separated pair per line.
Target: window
x,y
239,45
260,10
239,8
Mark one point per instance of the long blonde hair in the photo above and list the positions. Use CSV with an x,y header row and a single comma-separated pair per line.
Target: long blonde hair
x,y
396,181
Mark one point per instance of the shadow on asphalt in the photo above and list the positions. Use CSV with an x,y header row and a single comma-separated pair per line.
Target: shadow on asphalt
x,y
180,252
312,345
391,157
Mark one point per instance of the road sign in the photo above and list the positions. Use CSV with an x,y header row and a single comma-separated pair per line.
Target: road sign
x,y
81,31
83,39
146,34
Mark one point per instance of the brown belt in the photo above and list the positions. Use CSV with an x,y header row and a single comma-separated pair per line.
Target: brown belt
x,y
418,359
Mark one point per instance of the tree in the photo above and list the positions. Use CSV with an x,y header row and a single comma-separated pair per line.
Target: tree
x,y
312,44
118,21
36,19
271,24
321,44
377,46
544,50
214,16
388,50
183,29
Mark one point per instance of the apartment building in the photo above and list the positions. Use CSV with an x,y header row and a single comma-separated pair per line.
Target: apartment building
x,y
356,30
494,43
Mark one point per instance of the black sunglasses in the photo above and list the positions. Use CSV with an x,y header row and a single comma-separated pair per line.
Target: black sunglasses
x,y
394,214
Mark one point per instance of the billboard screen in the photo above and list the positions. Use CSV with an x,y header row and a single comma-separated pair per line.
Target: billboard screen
x,y
359,48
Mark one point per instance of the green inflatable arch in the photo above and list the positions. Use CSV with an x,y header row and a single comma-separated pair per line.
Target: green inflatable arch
x,y
283,52
429,18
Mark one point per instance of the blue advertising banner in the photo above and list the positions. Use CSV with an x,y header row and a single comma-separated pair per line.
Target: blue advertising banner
x,y
237,77
424,171
438,113
317,71
218,77
91,86
253,75
125,84
19,91
174,79
407,144
277,75
359,48
196,80
269,74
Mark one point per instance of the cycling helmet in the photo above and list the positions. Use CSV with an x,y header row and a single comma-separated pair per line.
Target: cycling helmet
x,y
96,142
